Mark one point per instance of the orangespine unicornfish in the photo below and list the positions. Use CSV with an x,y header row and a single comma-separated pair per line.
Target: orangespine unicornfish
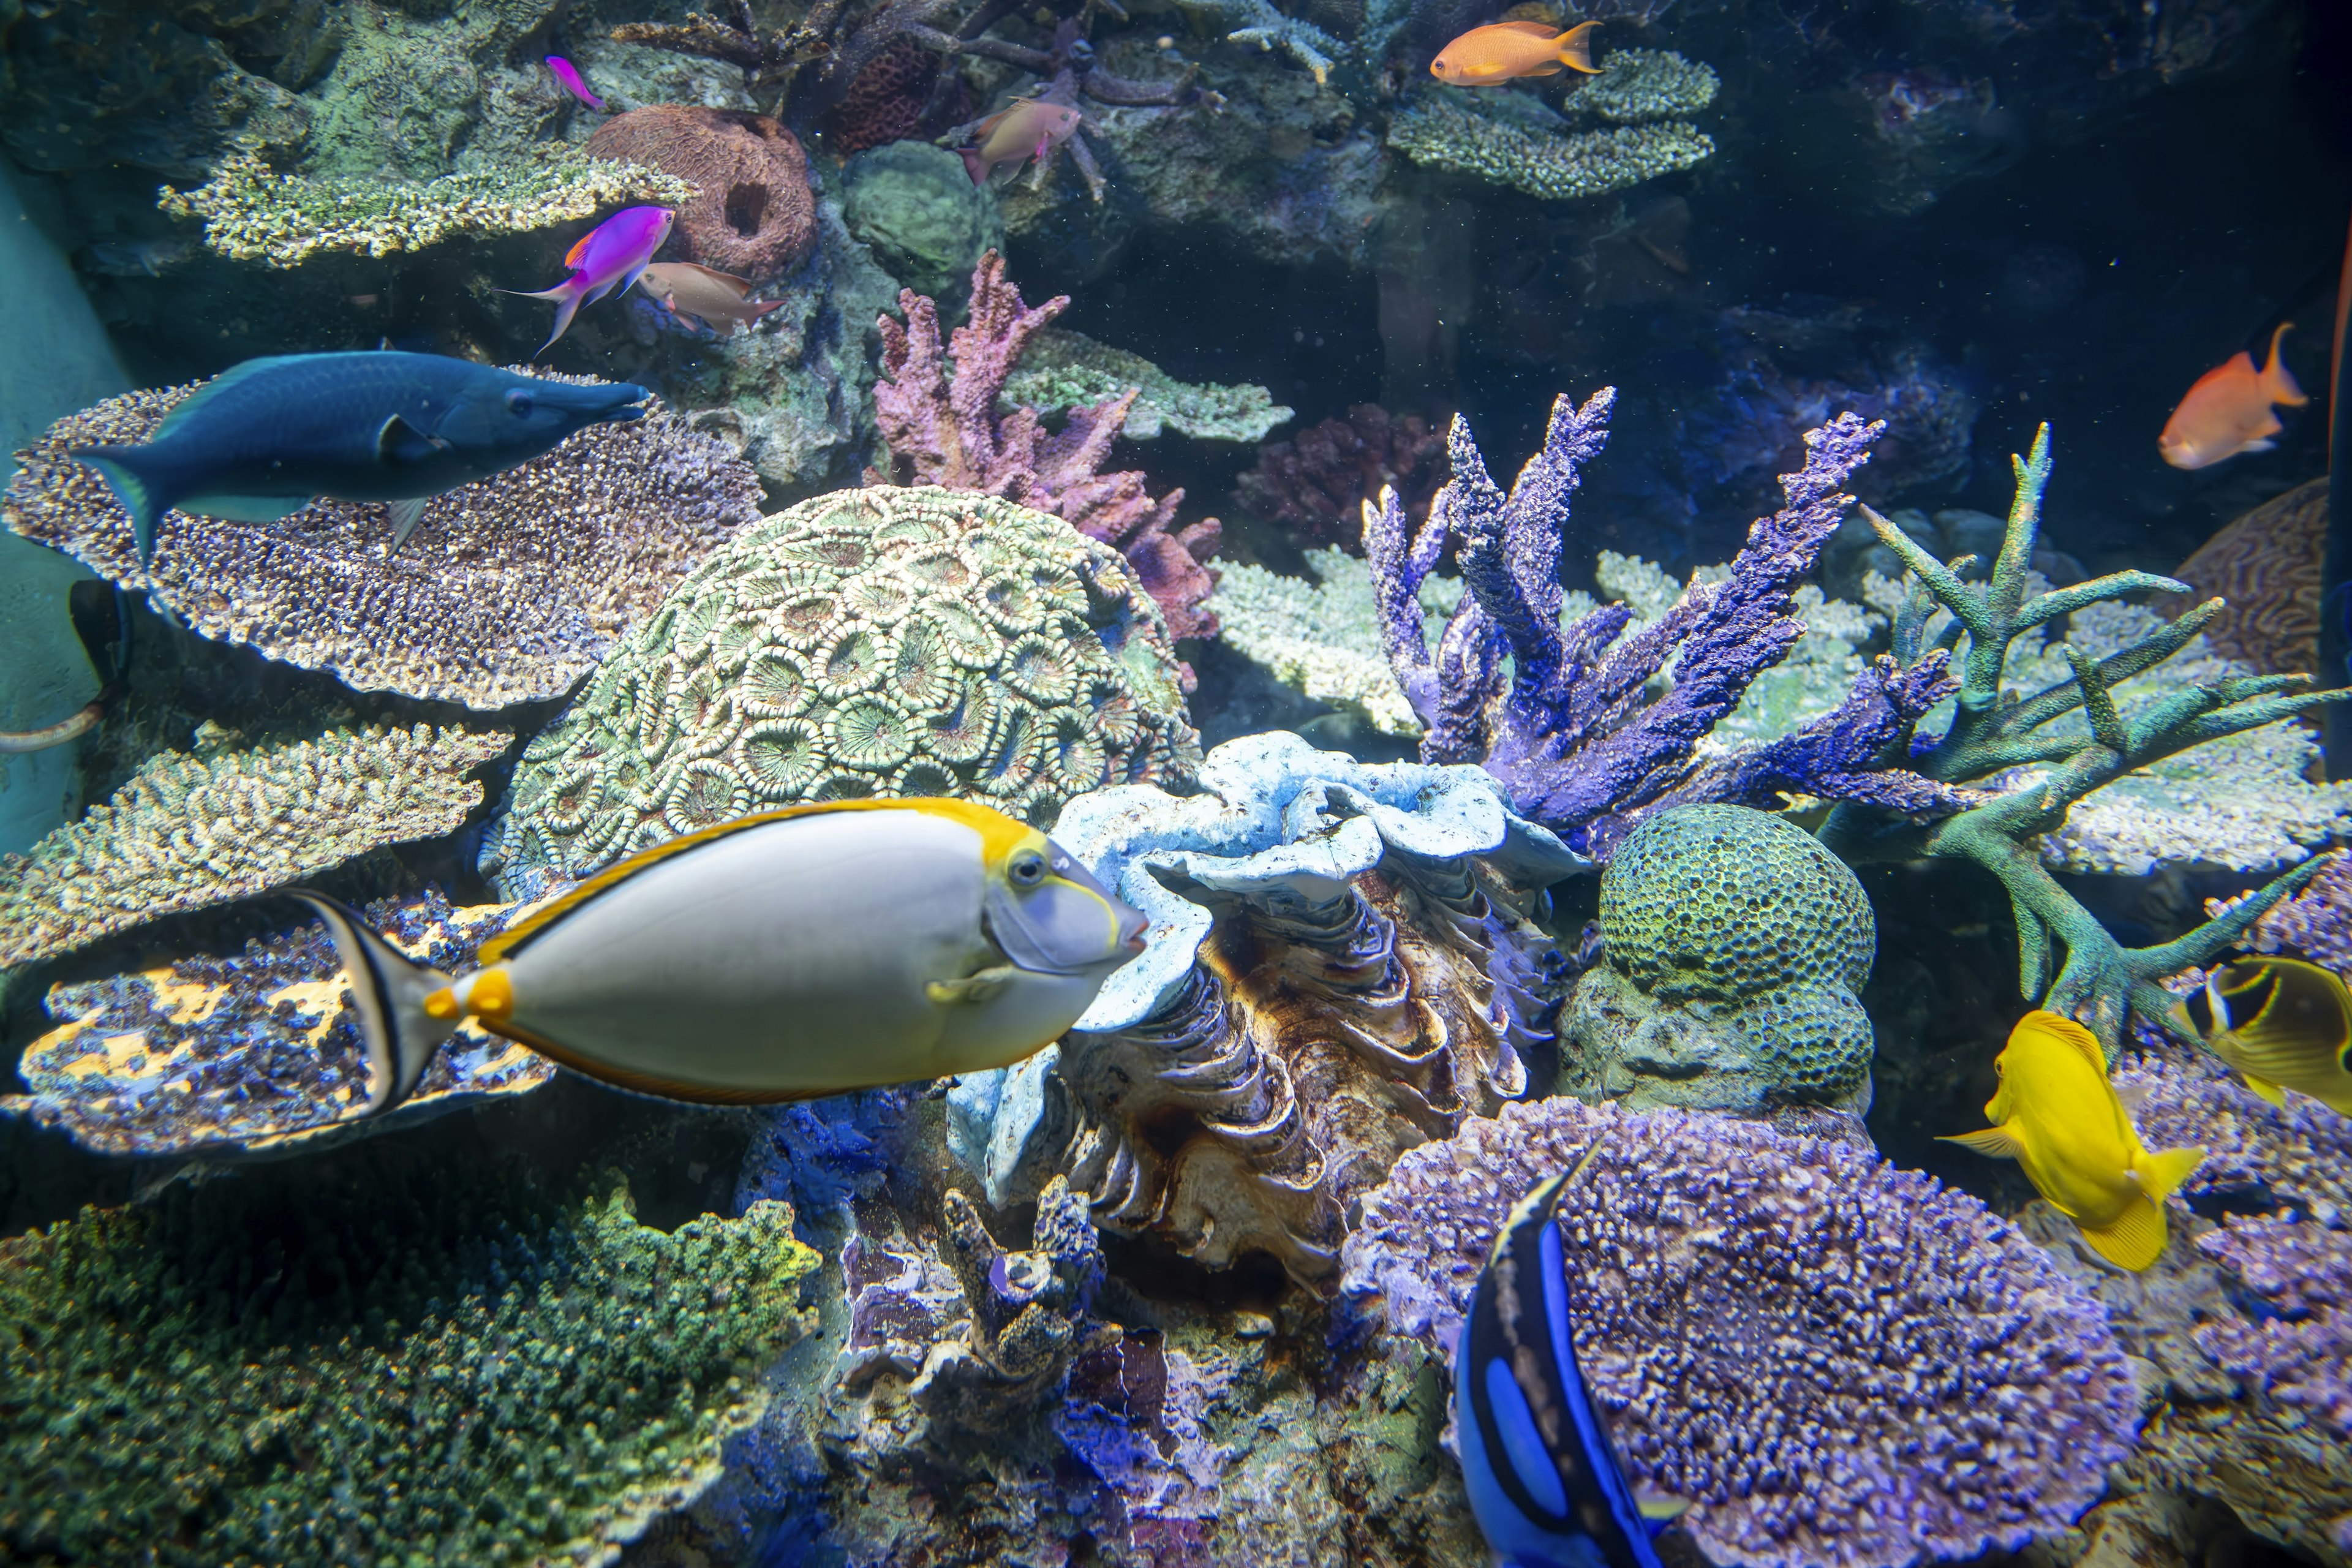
x,y
788,956
1544,1480
2058,1118
2283,1024
270,436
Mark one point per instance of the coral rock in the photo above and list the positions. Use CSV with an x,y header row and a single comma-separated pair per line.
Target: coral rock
x,y
755,214
873,642
914,207
1839,1363
2265,565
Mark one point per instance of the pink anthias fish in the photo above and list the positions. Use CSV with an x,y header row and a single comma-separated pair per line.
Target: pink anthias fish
x,y
569,75
1030,129
607,260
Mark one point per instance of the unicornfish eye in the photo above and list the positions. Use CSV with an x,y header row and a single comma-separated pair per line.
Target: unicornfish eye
x,y
1028,869
519,404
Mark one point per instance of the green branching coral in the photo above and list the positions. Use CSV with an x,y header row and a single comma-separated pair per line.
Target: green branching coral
x,y
1512,139
1060,371
1994,730
385,1361
193,831
1639,85
1323,637
252,213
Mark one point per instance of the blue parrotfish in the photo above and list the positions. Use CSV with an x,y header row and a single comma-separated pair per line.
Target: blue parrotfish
x,y
1545,1482
606,260
270,436
786,955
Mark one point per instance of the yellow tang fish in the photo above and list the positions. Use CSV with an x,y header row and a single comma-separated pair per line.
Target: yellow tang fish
x,y
1503,51
787,955
2056,1115
2282,1022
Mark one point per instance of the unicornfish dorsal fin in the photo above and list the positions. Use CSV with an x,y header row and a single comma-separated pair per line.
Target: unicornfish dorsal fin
x,y
388,992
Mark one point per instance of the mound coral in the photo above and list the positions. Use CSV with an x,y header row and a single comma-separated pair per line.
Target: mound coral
x,y
947,432
190,832
753,213
509,590
257,1050
1736,951
1835,1361
2265,566
237,1372
1316,483
251,213
873,642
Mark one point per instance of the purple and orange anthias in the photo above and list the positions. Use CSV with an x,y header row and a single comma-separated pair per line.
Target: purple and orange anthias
x,y
607,260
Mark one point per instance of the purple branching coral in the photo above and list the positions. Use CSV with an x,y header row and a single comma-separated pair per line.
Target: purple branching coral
x,y
1839,1363
1571,731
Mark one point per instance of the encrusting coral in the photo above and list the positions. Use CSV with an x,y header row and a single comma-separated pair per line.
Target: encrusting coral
x,y
251,213
257,1050
947,432
1060,371
871,642
386,1359
509,591
752,213
1317,483
1836,1362
192,832
1323,637
1510,139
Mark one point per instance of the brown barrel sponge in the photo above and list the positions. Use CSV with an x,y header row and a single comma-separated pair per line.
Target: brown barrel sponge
x,y
756,215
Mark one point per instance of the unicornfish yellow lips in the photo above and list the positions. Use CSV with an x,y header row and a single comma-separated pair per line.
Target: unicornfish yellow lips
x,y
788,956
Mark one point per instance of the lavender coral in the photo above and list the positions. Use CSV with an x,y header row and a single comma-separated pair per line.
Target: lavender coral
x,y
1837,1362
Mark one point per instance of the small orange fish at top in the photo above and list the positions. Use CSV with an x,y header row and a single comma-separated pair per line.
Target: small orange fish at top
x,y
2229,410
1505,51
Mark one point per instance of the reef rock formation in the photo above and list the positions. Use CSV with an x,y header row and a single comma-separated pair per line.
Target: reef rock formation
x,y
1062,370
191,832
1340,966
259,1050
1836,1362
916,206
1736,948
509,590
873,642
755,215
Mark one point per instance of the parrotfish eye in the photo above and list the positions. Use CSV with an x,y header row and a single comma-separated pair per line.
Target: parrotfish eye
x,y
1027,869
519,404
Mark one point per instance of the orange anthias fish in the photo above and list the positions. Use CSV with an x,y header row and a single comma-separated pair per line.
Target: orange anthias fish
x,y
720,301
2229,410
1030,129
1505,51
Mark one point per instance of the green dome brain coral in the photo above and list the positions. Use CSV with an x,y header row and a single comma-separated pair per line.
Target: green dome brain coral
x,y
1736,947
395,1363
877,642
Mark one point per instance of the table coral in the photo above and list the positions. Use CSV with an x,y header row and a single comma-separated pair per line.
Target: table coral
x,y
1836,1362
1061,370
191,832
251,213
872,642
753,213
257,1050
509,591
231,1374
1639,85
1525,146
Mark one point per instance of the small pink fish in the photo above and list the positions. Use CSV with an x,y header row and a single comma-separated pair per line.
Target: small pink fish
x,y
607,260
1028,130
569,75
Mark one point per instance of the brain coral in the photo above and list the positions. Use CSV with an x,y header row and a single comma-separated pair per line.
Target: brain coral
x,y
874,642
509,591
755,214
379,1360
1735,946
1839,1363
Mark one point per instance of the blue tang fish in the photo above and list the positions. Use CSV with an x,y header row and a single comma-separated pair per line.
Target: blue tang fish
x,y
268,436
1544,1482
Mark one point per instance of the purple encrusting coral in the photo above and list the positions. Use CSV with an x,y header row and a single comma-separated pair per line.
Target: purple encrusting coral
x,y
2302,1355
1571,732
2315,924
1839,1363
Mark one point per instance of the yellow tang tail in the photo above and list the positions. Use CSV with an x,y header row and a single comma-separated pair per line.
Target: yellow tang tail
x,y
2134,1239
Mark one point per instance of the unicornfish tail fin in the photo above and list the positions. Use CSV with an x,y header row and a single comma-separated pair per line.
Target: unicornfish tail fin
x,y
140,495
388,992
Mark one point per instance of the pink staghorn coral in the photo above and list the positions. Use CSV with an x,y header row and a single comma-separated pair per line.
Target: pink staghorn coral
x,y
944,429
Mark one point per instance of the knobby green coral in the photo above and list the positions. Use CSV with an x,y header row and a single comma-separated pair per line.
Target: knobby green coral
x,y
1061,370
1323,637
385,1362
252,213
193,831
1511,139
1638,85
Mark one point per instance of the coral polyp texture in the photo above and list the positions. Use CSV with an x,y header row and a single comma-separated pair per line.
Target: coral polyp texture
x,y
944,429
259,1049
510,589
1061,370
872,642
2265,566
252,213
1339,965
190,832
1735,951
230,1372
1836,1363
1510,139
1316,483
752,212
1323,637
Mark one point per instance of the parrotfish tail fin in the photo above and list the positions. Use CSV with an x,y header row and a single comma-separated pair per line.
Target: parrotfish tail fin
x,y
2136,1239
1997,1141
1576,49
139,493
2278,385
388,992
2160,1175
